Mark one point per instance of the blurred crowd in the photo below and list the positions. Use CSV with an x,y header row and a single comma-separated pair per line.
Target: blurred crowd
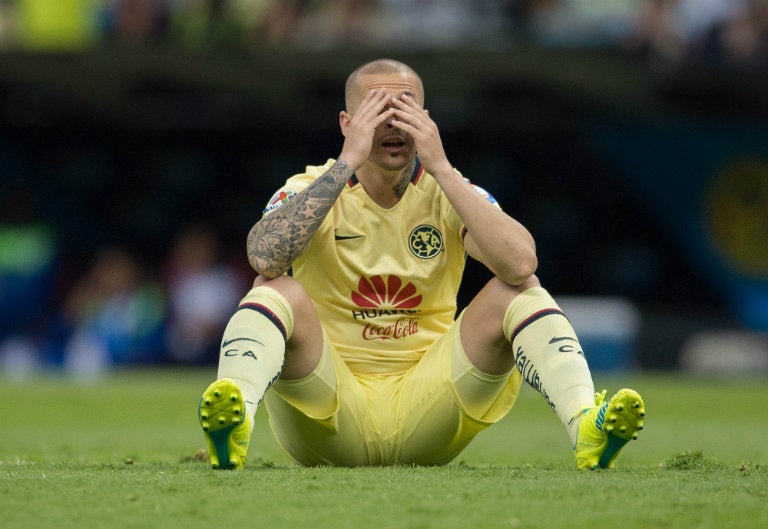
x,y
719,31
111,309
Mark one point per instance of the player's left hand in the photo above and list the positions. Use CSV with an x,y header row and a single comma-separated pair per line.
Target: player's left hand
x,y
414,120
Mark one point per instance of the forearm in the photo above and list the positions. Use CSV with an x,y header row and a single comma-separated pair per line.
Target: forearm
x,y
499,241
283,235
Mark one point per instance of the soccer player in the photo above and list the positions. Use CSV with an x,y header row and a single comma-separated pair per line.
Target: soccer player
x,y
348,334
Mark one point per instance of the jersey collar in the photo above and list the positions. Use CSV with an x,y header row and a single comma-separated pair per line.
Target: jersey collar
x,y
418,170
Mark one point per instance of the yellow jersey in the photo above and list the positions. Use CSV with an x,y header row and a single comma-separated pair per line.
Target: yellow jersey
x,y
384,281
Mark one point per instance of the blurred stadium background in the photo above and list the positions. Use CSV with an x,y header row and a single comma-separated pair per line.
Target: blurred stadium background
x,y
140,140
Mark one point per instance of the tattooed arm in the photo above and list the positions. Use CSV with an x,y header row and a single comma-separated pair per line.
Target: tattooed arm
x,y
280,237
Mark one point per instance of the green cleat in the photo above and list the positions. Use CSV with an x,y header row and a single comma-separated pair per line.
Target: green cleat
x,y
226,425
606,427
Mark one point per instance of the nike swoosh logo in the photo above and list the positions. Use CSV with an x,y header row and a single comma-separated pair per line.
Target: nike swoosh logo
x,y
346,237
561,338
233,340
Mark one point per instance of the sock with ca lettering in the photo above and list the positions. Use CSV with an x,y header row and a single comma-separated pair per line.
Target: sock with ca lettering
x,y
253,344
549,355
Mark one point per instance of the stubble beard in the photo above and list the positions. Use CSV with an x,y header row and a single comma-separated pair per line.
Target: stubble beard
x,y
403,167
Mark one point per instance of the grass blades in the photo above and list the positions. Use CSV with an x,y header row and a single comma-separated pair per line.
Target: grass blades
x,y
124,452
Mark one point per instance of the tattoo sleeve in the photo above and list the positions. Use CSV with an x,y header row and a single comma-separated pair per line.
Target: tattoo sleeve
x,y
280,237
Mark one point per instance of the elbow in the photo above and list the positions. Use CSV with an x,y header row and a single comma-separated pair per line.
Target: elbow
x,y
522,269
262,263
524,264
528,262
529,267
264,267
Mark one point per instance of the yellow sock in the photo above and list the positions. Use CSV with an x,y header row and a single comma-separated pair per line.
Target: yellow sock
x,y
253,344
549,355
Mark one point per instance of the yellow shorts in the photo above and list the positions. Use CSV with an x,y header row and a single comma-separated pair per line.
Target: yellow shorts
x,y
424,416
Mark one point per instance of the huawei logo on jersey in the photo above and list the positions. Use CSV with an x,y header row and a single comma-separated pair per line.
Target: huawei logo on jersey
x,y
375,291
382,298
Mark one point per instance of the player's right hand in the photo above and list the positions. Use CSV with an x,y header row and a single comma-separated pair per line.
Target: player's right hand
x,y
359,127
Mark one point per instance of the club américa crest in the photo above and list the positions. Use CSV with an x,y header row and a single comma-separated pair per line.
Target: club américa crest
x,y
425,241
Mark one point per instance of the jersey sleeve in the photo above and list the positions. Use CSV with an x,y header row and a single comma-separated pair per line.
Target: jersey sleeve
x,y
295,185
485,194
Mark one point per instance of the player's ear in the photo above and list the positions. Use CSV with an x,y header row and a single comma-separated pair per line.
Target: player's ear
x,y
344,119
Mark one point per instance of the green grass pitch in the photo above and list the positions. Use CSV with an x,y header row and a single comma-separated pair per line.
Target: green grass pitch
x,y
123,452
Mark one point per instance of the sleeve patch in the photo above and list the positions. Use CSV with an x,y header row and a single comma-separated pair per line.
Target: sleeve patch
x,y
278,199
485,194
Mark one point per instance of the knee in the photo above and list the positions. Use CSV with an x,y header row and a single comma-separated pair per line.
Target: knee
x,y
495,297
505,292
491,303
531,282
293,291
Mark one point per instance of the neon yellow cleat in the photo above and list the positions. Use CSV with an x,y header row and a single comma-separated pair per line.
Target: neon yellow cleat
x,y
226,425
607,427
